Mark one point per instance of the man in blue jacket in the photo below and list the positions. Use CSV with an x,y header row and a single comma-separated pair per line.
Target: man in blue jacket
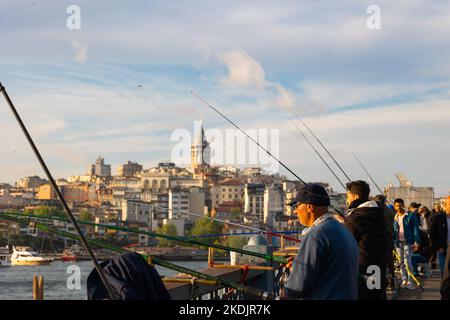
x,y
326,266
406,236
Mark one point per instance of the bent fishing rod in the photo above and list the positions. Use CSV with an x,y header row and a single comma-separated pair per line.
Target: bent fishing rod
x,y
241,226
226,222
318,154
260,294
317,139
267,257
58,192
260,146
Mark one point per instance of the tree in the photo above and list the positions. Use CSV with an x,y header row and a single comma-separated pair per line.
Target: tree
x,y
45,211
170,230
206,226
86,215
236,213
236,241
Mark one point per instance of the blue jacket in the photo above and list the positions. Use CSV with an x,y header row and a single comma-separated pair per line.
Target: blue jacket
x,y
326,267
410,227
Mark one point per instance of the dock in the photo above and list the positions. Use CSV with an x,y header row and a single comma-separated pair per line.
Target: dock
x,y
199,291
431,285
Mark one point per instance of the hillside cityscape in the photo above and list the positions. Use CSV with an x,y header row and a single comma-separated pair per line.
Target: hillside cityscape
x,y
172,199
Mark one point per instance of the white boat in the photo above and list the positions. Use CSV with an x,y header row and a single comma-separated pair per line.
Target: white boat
x,y
25,256
5,257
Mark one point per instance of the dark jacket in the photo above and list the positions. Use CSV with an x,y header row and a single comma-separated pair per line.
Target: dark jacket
x,y
425,245
429,217
366,221
389,215
438,233
131,278
445,284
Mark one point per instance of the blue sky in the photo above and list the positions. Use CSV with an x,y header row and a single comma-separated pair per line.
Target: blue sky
x,y
383,94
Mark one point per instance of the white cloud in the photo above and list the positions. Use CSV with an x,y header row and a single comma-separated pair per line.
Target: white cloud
x,y
80,51
243,70
246,72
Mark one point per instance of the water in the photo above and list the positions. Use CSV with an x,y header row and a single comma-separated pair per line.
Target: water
x,y
16,282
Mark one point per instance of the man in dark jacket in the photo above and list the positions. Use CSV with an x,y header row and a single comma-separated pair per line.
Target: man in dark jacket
x,y
389,220
366,222
440,235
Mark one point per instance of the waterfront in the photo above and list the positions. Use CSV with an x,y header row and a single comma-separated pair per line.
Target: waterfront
x,y
16,282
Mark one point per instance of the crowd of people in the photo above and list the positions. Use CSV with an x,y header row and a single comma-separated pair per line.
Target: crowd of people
x,y
342,256
355,255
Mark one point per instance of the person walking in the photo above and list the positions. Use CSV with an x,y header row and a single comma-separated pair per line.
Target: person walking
x,y
406,235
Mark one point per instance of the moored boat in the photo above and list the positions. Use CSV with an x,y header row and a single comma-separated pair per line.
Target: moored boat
x,y
25,256
72,254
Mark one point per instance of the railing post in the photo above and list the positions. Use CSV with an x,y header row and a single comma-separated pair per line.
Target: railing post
x,y
35,288
210,257
38,287
282,242
41,287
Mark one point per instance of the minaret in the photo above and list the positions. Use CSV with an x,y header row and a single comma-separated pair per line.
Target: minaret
x,y
200,150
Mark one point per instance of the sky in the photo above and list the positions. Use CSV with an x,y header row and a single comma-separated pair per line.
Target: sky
x,y
120,85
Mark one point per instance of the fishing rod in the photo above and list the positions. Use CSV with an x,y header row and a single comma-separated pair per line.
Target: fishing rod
x,y
257,143
260,294
225,222
408,270
239,225
58,192
211,235
317,139
318,154
368,174
158,235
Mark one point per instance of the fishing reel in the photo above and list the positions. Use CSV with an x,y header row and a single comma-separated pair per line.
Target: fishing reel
x,y
282,276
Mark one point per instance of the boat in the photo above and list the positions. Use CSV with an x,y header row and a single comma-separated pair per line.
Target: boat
x,y
25,256
5,257
72,254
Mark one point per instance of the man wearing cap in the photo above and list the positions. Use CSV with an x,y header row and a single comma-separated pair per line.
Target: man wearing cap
x,y
326,266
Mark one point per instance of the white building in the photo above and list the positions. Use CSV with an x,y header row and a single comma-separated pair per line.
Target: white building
x,y
197,200
178,202
6,199
273,203
409,193
31,182
137,211
227,191
100,168
254,200
252,171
